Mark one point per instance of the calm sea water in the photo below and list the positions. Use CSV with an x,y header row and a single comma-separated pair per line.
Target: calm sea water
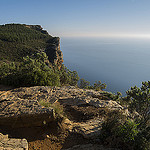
x,y
120,63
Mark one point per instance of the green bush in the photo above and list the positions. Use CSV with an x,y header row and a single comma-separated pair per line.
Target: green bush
x,y
142,140
67,76
127,134
99,86
83,84
32,71
118,131
139,101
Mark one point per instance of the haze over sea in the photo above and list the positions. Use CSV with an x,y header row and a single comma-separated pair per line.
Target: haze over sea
x,y
118,62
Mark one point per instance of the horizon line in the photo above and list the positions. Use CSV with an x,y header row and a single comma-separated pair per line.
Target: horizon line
x,y
143,36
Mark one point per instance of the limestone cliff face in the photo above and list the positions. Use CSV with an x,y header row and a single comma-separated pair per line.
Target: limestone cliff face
x,y
54,53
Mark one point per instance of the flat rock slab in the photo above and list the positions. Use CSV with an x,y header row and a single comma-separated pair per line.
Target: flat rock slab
x,y
21,107
18,112
7,143
66,95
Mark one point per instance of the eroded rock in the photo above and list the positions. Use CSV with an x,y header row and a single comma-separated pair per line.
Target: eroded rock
x,y
17,112
22,107
7,143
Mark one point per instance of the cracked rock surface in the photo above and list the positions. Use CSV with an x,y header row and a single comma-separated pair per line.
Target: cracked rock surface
x,y
7,143
85,109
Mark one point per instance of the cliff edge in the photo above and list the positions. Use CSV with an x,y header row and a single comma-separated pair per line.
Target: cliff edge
x,y
20,40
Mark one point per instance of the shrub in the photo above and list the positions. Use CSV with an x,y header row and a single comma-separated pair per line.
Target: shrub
x,y
86,85
99,86
118,131
68,77
139,100
130,134
34,70
30,72
83,84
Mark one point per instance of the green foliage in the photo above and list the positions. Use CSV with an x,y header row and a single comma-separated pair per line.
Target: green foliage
x,y
20,33
118,131
113,96
86,85
142,140
33,71
58,109
83,84
130,134
45,104
18,41
99,86
128,131
68,77
139,100
30,72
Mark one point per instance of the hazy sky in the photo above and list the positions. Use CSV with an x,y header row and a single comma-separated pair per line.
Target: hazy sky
x,y
81,17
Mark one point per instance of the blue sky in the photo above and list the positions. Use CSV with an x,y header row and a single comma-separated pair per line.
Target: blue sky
x,y
81,17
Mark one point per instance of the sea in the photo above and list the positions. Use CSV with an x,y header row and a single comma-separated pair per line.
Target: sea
x,y
121,63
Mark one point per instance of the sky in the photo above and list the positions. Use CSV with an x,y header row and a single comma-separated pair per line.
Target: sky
x,y
73,18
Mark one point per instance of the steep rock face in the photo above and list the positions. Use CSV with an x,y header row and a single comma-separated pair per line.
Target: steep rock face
x,y
54,53
52,50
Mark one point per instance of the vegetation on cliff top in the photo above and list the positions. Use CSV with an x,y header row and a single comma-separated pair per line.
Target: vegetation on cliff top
x,y
24,60
34,71
18,41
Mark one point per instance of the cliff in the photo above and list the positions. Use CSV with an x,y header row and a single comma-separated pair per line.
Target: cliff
x,y
54,53
20,40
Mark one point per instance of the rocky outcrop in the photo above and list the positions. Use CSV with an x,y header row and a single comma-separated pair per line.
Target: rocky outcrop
x,y
85,109
67,95
52,50
21,107
54,53
19,112
7,143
